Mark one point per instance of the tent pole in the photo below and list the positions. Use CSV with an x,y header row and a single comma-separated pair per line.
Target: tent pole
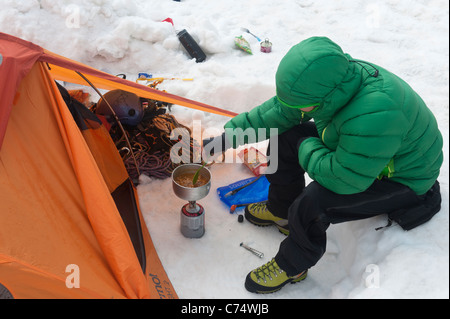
x,y
115,117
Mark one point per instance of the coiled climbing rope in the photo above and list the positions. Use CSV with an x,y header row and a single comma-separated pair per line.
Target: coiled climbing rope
x,y
151,144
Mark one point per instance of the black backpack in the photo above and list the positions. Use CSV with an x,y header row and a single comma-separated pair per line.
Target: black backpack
x,y
411,217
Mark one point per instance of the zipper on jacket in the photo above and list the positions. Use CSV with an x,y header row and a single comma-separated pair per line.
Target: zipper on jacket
x,y
323,134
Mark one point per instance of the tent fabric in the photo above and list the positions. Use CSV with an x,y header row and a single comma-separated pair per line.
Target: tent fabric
x,y
65,196
16,60
65,70
44,223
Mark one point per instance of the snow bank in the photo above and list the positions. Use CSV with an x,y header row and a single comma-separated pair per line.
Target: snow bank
x,y
409,38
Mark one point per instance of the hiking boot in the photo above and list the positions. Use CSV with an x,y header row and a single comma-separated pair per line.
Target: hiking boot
x,y
258,214
270,278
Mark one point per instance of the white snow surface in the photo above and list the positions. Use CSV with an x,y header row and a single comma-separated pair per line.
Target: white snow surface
x,y
408,37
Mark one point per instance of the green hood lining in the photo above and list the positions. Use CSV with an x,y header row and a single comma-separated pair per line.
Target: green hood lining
x,y
298,106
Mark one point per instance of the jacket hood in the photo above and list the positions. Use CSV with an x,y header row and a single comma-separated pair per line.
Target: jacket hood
x,y
316,71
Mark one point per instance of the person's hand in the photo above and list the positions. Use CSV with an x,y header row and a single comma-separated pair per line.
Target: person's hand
x,y
216,145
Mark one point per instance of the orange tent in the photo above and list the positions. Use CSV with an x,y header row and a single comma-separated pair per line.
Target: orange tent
x,y
70,224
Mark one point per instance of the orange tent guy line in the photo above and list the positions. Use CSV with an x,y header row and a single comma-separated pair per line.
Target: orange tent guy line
x,y
64,69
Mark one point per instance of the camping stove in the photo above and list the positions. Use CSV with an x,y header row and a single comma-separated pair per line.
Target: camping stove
x,y
192,224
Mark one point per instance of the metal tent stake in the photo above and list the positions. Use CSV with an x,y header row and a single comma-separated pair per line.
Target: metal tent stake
x,y
253,250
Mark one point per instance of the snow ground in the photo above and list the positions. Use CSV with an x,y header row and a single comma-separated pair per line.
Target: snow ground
x,y
410,38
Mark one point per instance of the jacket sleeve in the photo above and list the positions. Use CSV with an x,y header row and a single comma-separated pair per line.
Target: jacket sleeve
x,y
367,143
270,114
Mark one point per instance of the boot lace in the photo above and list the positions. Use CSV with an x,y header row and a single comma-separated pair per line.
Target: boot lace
x,y
267,270
260,207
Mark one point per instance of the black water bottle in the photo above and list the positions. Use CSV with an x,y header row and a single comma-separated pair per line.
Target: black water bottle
x,y
191,46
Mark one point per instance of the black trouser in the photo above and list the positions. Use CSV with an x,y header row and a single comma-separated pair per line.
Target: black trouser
x,y
289,180
311,209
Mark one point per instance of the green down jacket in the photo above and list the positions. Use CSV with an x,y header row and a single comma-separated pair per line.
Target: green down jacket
x,y
371,123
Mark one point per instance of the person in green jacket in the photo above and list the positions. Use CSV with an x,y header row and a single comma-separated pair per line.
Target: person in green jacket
x,y
362,134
